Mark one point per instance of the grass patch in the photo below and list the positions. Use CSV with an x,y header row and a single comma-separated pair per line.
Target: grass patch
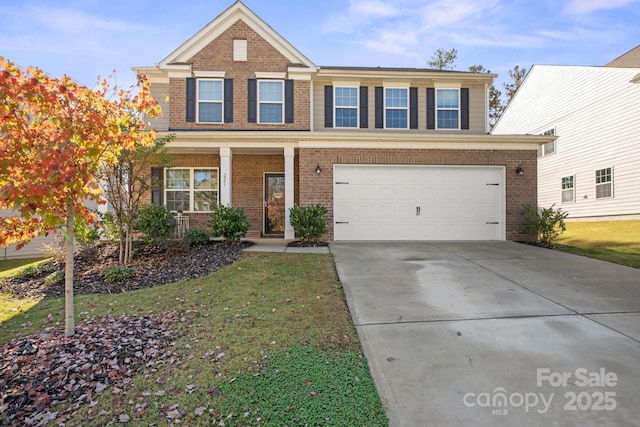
x,y
612,241
237,322
9,267
306,386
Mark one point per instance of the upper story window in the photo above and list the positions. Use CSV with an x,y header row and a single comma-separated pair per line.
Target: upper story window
x,y
210,100
448,108
604,183
568,189
396,105
270,101
549,147
346,107
191,190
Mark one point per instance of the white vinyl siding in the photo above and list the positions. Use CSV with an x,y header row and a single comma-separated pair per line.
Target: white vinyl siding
x,y
593,133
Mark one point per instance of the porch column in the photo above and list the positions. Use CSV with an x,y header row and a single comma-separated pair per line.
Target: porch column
x,y
225,176
289,192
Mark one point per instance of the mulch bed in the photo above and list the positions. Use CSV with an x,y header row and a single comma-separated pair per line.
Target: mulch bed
x,y
303,244
151,266
46,377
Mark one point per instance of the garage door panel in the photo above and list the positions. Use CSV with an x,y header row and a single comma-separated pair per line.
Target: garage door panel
x,y
419,203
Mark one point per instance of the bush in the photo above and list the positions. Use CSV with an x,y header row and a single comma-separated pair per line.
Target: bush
x,y
155,222
308,221
87,235
546,224
116,274
109,226
230,223
35,270
196,237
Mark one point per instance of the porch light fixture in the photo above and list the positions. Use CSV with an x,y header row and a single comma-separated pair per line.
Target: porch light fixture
x,y
519,170
318,169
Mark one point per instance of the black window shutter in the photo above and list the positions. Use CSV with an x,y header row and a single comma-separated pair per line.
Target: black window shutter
x,y
413,107
252,101
157,180
288,101
228,100
364,107
328,106
431,108
464,108
379,107
191,99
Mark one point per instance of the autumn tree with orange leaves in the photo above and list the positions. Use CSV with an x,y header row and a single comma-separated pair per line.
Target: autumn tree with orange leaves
x,y
54,136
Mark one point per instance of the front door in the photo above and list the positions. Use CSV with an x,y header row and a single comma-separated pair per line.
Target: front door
x,y
274,208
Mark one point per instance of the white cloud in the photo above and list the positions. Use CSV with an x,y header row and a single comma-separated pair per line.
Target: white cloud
x,y
371,8
587,6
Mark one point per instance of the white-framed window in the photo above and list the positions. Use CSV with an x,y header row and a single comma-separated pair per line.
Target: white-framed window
x,y
191,189
448,108
604,183
396,108
270,101
568,189
346,107
549,147
210,97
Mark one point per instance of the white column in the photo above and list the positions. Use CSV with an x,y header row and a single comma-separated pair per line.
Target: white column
x,y
225,176
289,193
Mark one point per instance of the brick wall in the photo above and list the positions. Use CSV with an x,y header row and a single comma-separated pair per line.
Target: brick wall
x,y
261,57
520,190
248,185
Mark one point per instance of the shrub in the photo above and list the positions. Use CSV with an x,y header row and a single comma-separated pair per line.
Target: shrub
x,y
196,236
230,223
87,235
546,224
54,278
35,270
116,274
109,226
155,222
57,248
308,221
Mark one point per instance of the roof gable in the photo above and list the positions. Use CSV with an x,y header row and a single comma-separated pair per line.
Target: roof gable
x,y
630,59
236,12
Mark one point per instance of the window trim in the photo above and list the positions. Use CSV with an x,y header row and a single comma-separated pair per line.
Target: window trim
x,y
438,109
385,108
602,184
191,188
356,107
572,188
198,101
259,102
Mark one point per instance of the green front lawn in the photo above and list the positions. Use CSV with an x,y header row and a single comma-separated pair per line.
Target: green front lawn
x,y
613,241
268,341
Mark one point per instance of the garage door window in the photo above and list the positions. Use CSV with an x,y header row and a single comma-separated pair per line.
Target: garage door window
x,y
396,104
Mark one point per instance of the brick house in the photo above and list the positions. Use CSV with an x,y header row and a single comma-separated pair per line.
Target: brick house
x,y
393,153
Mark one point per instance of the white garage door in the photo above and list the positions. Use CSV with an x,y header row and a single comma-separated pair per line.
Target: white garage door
x,y
380,202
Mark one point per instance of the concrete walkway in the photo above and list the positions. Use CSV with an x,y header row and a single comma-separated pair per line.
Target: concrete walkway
x,y
280,245
495,333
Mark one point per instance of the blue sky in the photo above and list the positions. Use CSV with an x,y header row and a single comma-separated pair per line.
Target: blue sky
x,y
88,38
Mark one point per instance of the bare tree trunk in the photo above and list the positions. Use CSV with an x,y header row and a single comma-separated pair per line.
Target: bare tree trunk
x,y
69,321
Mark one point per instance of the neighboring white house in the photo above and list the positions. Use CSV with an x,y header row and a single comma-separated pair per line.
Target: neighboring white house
x,y
32,250
592,169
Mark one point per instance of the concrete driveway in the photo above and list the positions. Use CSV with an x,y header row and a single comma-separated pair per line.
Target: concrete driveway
x,y
495,333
